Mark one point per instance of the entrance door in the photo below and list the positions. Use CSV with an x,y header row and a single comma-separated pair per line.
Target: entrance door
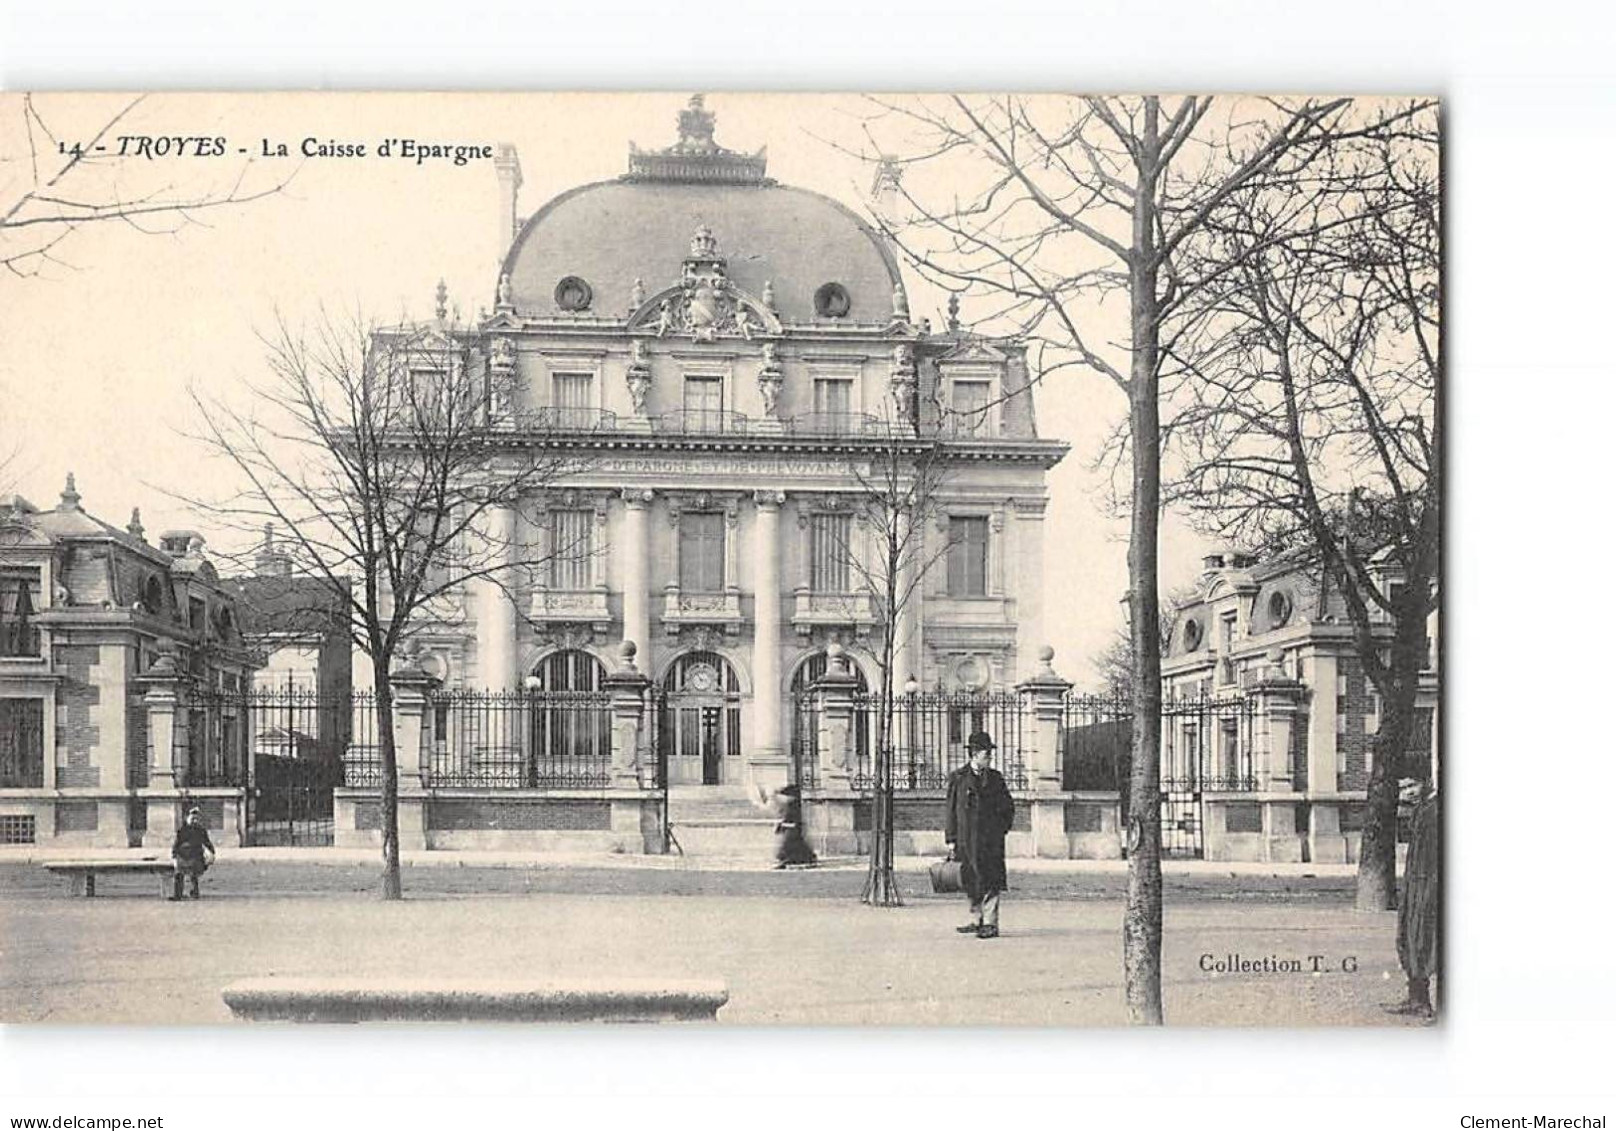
x,y
702,720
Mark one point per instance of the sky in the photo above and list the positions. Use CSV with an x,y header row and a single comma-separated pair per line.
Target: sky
x,y
98,353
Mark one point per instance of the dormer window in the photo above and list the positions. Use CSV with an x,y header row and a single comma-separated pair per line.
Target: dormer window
x,y
19,602
969,400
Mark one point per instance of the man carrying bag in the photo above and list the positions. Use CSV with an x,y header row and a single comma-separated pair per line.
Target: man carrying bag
x,y
979,812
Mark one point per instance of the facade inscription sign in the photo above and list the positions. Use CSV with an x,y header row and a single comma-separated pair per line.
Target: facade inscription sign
x,y
782,467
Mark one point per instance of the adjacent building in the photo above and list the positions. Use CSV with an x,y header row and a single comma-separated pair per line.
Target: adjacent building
x,y
1269,720
104,636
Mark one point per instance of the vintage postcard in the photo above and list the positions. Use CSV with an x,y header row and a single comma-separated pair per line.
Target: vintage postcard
x,y
731,558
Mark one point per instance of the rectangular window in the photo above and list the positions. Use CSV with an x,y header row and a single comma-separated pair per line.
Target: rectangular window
x,y
701,553
967,557
704,403
830,568
19,603
573,397
22,743
572,549
833,402
970,405
1228,632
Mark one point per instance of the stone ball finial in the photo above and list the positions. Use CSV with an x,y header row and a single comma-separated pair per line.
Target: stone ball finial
x,y
626,651
1046,654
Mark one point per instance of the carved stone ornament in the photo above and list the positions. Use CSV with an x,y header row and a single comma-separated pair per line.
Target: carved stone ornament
x,y
501,353
567,636
706,306
636,296
769,382
639,384
503,295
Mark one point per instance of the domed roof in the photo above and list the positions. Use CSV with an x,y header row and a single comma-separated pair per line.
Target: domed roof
x,y
611,233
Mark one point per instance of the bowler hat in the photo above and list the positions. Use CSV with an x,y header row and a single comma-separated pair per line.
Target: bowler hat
x,y
980,740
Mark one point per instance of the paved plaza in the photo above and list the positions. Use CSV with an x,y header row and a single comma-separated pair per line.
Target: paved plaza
x,y
794,948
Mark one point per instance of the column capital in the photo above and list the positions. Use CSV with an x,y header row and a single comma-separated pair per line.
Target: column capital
x,y
769,500
637,498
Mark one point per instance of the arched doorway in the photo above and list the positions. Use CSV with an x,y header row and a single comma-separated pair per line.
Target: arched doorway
x,y
805,719
570,727
700,728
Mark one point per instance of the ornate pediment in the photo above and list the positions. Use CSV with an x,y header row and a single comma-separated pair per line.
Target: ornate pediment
x,y
973,351
704,305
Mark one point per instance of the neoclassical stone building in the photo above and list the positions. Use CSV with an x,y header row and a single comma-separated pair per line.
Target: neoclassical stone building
x,y
730,352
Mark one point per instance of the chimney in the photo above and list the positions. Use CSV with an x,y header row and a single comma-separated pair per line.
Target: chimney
x,y
508,168
271,560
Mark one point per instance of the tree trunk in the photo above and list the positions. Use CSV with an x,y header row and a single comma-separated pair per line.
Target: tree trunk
x,y
392,880
1377,853
1142,921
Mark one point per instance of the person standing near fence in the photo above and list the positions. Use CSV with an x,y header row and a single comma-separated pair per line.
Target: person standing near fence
x,y
979,812
193,852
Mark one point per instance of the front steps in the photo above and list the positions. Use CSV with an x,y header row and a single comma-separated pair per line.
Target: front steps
x,y
720,820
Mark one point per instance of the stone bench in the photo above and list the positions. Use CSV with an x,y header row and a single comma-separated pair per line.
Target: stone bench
x,y
82,873
425,999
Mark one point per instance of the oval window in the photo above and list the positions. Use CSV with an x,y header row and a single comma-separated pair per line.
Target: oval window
x,y
1279,609
572,293
1192,635
832,301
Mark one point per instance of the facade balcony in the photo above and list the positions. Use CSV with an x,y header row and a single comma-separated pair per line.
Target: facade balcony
x,y
572,606
701,422
550,418
681,609
836,424
838,610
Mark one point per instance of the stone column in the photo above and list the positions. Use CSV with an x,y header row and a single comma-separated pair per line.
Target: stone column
x,y
767,760
496,613
636,572
1046,691
166,730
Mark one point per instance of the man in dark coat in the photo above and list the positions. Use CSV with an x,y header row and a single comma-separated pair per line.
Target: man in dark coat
x,y
1419,907
192,853
979,812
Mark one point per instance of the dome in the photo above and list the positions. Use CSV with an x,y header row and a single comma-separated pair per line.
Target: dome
x,y
640,226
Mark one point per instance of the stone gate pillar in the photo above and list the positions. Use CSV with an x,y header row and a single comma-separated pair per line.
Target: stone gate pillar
x,y
838,743
1277,699
626,687
1045,694
166,730
412,745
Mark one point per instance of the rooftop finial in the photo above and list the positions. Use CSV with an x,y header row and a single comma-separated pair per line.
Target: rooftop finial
x,y
134,527
70,494
696,123
443,300
269,535
953,314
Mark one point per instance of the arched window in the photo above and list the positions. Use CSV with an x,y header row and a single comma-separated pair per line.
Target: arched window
x,y
700,728
571,722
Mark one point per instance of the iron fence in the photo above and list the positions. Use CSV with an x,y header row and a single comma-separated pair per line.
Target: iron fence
x,y
521,740
927,736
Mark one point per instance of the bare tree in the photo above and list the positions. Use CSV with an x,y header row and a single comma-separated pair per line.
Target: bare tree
x,y
54,183
392,458
889,557
1115,662
1315,427
1074,206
